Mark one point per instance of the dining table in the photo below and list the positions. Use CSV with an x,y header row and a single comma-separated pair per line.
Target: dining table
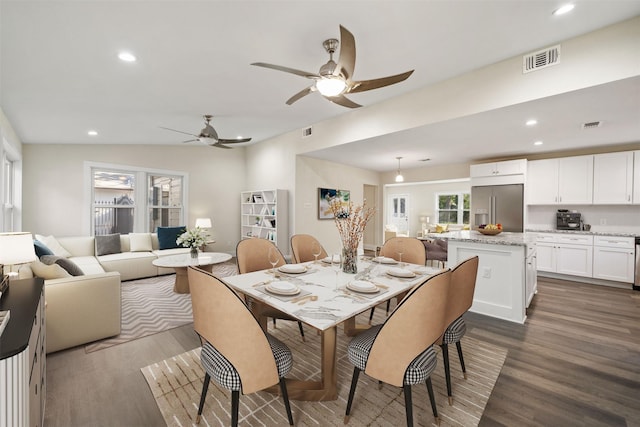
x,y
320,295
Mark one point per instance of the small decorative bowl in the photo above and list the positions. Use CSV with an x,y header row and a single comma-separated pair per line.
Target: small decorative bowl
x,y
489,232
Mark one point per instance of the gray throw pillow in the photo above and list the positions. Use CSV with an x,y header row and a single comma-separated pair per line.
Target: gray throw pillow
x,y
109,244
69,266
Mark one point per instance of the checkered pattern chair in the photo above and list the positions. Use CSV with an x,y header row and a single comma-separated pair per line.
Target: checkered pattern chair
x,y
302,248
236,353
412,251
463,284
400,351
253,255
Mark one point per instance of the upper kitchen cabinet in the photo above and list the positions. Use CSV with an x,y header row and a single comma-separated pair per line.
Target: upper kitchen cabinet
x,y
566,181
508,167
636,177
613,178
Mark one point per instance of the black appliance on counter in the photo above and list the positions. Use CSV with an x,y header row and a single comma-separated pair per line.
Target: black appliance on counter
x,y
566,220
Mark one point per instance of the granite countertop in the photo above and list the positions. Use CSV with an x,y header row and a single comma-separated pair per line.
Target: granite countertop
x,y
589,233
504,238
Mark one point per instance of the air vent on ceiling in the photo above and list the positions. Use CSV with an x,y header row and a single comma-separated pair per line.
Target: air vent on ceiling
x,y
541,59
591,125
306,132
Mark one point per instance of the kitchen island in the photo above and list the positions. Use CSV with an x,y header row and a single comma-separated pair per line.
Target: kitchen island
x,y
506,281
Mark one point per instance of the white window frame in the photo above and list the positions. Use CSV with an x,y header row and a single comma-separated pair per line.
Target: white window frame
x,y
142,204
11,189
460,210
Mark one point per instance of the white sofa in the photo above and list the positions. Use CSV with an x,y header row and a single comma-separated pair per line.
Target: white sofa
x,y
82,309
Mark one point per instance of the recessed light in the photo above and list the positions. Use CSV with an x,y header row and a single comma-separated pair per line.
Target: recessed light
x,y
126,57
92,133
531,122
564,9
538,143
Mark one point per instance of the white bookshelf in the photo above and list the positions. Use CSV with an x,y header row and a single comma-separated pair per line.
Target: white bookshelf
x,y
264,216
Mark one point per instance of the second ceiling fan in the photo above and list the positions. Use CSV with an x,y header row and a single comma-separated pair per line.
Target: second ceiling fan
x,y
209,136
335,80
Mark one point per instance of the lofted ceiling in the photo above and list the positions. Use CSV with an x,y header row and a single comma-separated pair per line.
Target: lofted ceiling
x,y
60,76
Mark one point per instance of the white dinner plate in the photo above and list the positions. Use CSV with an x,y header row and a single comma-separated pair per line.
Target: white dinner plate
x,y
362,286
292,268
281,287
401,272
328,260
385,260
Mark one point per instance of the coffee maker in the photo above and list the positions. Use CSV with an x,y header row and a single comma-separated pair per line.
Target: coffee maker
x,y
566,220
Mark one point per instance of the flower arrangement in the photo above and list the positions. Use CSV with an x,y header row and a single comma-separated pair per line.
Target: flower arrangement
x,y
194,238
351,221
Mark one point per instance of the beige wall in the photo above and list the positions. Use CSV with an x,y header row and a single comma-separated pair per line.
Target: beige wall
x,y
54,198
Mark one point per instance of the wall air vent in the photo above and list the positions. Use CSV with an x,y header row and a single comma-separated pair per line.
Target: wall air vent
x,y
306,132
591,125
541,59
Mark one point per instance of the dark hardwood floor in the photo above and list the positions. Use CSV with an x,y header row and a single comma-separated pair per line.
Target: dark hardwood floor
x,y
576,362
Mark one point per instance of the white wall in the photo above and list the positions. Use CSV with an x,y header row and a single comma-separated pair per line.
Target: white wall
x,y
54,184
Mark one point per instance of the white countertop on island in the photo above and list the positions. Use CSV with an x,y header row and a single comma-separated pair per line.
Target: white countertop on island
x,y
504,238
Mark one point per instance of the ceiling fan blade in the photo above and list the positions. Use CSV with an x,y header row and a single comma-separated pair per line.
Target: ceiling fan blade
x,y
343,100
179,131
287,70
190,140
303,92
347,60
365,85
218,145
233,141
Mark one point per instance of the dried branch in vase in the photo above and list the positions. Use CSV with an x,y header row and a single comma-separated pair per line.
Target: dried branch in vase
x,y
351,221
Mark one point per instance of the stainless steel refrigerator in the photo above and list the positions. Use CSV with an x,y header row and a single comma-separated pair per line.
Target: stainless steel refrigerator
x,y
502,204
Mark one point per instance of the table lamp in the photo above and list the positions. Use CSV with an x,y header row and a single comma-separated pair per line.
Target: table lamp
x,y
15,248
203,223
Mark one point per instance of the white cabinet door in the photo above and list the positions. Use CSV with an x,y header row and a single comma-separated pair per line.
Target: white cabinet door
x,y
636,177
613,264
508,167
542,182
576,260
613,178
483,169
546,259
575,180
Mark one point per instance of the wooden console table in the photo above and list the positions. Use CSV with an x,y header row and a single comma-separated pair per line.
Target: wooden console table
x,y
22,355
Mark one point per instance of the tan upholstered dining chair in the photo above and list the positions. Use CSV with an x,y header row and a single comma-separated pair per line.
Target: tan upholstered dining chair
x,y
253,255
302,248
462,288
413,252
400,351
236,353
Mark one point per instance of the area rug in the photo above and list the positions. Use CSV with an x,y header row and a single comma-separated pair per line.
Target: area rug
x,y
150,306
176,384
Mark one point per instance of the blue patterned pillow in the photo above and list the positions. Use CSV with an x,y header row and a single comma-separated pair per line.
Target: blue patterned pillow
x,y
167,236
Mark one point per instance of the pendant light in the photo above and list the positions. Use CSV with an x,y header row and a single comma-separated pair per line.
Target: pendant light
x,y
399,177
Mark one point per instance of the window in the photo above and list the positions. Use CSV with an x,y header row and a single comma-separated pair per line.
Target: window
x,y
453,208
135,200
8,191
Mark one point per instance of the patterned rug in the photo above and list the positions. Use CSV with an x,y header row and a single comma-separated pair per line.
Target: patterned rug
x,y
150,306
176,384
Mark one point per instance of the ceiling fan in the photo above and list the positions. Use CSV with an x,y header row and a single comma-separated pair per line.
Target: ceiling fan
x,y
209,136
334,81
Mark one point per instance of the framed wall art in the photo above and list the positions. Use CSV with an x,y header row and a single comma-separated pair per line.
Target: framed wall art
x,y
325,195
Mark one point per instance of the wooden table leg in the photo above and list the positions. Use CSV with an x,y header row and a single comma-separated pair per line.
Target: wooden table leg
x,y
352,329
181,285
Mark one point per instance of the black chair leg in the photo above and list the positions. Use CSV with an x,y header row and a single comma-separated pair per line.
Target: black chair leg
x,y
408,405
371,314
235,403
464,370
274,323
447,371
432,399
203,395
352,391
301,330
285,397
388,306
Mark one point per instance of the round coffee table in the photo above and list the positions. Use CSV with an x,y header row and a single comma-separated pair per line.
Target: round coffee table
x,y
181,262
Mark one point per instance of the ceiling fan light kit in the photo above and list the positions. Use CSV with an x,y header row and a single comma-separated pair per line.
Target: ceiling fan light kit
x,y
334,80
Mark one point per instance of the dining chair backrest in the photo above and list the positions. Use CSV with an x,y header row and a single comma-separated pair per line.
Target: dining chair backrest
x,y
302,248
412,327
253,255
412,250
462,288
222,318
